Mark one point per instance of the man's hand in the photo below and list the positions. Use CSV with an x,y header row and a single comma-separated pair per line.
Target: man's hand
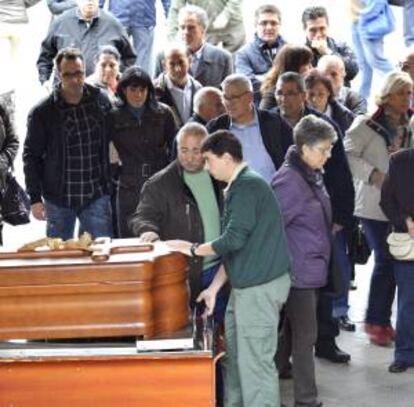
x,y
38,211
148,237
377,178
336,227
410,226
321,46
181,246
209,296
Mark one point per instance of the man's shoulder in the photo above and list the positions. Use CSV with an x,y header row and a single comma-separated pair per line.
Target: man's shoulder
x,y
165,177
219,123
43,105
338,45
215,53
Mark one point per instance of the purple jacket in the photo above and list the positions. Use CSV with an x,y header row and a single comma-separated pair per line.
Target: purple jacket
x,y
306,210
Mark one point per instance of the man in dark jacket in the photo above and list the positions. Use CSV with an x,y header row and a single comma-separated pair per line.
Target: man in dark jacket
x,y
85,27
265,136
290,95
316,25
183,201
66,154
255,58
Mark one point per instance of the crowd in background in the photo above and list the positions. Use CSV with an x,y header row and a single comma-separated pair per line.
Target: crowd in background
x,y
119,145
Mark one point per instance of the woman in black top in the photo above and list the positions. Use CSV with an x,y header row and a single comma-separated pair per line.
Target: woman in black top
x,y
142,131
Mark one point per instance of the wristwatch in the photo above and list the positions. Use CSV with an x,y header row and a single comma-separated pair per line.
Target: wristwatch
x,y
193,248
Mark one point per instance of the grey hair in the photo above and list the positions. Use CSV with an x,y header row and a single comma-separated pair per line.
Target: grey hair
x,y
329,60
238,80
199,100
191,129
312,130
392,84
292,77
197,11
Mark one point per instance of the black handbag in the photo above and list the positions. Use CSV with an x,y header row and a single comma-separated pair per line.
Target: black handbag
x,y
15,203
359,250
335,286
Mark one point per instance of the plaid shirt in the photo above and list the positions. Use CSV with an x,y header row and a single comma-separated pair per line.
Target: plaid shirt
x,y
83,137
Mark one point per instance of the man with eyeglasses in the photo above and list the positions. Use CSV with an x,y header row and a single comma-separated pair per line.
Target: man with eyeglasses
x,y
265,136
255,58
290,96
65,156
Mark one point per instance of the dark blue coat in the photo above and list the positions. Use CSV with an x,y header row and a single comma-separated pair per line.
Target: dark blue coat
x,y
253,59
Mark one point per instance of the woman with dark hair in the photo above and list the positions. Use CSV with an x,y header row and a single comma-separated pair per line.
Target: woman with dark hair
x,y
320,96
9,145
142,131
291,58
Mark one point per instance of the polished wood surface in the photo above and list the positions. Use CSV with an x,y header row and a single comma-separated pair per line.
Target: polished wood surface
x,y
131,294
181,380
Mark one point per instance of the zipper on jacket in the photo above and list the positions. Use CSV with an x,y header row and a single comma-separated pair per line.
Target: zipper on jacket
x,y
187,214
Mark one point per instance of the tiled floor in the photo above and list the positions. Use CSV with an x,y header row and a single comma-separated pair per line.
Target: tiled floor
x,y
365,382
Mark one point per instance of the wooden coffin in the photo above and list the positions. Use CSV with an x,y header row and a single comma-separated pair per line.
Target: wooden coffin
x,y
130,294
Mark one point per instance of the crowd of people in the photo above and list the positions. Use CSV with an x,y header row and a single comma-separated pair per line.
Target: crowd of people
x,y
256,160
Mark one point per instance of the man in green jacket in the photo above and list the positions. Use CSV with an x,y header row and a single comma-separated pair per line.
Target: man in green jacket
x,y
256,262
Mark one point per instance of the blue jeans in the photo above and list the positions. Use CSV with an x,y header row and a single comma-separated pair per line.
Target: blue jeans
x,y
408,16
143,41
370,55
340,305
96,219
404,341
382,289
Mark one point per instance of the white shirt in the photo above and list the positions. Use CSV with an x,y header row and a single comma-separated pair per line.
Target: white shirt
x,y
182,98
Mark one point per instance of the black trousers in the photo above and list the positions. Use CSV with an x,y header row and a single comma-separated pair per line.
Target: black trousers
x,y
328,328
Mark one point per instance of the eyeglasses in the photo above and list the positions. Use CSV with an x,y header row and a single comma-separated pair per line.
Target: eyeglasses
x,y
234,97
287,95
324,150
73,75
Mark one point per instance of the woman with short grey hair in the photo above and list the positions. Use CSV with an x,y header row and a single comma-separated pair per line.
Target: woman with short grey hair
x,y
307,216
369,143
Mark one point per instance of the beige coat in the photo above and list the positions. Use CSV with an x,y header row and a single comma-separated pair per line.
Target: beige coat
x,y
366,150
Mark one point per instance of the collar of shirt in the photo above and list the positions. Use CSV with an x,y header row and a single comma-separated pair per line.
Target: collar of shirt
x,y
57,97
254,122
235,174
199,53
80,17
328,111
171,86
